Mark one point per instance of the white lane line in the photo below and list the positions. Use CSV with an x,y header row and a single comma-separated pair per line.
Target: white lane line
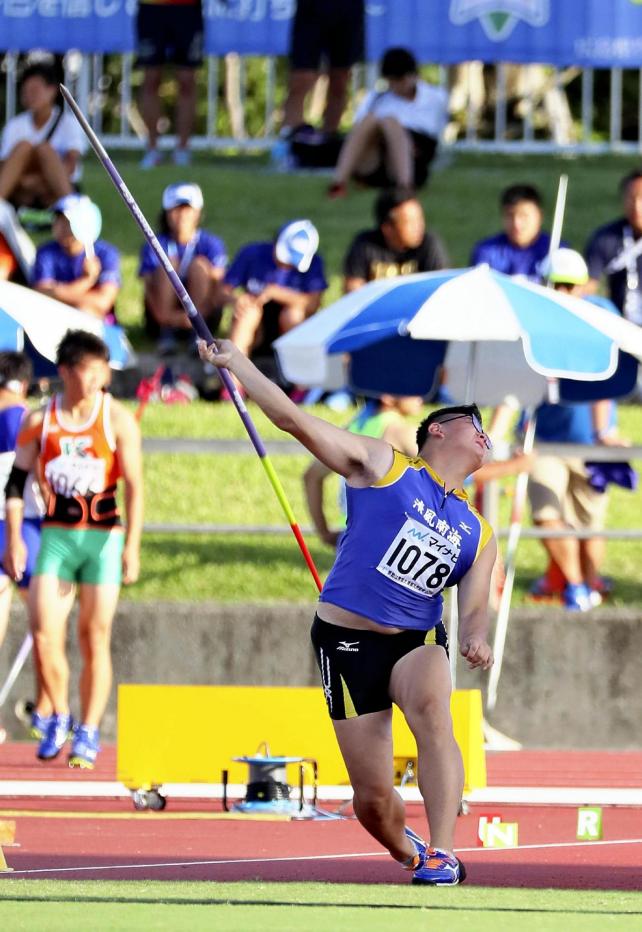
x,y
314,857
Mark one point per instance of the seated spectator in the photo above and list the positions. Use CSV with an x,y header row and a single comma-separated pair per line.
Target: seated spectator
x,y
614,251
40,149
399,245
523,246
199,258
566,492
281,284
396,131
82,274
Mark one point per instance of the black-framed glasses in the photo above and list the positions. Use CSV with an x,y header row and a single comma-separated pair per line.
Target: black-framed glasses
x,y
477,424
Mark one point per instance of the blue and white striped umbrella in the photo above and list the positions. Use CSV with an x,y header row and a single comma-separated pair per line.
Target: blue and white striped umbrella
x,y
395,335
44,321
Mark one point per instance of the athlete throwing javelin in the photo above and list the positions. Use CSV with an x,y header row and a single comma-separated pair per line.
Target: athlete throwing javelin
x,y
378,632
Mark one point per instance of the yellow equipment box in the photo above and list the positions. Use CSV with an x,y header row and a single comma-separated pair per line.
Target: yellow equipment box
x,y
189,734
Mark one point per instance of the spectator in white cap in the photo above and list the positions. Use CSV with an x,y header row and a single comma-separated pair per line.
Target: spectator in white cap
x,y
77,267
274,286
199,258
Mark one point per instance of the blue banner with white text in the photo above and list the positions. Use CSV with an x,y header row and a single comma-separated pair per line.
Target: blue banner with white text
x,y
594,33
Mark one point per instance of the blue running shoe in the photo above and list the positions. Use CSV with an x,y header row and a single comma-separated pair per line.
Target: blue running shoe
x,y
39,725
84,747
577,598
439,869
58,731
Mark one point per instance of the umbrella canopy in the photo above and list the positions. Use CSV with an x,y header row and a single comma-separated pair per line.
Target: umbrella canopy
x,y
515,335
37,323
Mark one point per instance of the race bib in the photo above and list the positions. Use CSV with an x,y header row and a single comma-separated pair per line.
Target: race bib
x,y
70,475
420,559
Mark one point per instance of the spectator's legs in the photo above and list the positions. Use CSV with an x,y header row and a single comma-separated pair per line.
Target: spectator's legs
x,y
300,83
360,150
97,607
245,324
161,301
54,174
50,601
592,553
185,105
150,103
338,79
291,315
399,160
14,167
564,550
203,289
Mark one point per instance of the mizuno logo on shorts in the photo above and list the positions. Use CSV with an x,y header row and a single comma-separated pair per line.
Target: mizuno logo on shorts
x,y
350,646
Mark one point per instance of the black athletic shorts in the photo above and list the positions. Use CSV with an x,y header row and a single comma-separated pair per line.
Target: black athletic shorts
x,y
169,34
424,147
356,665
330,31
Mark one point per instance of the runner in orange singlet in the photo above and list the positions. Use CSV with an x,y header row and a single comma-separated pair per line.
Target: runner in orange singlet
x,y
84,442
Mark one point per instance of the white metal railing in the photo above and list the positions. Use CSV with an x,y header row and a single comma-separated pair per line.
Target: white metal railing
x,y
546,124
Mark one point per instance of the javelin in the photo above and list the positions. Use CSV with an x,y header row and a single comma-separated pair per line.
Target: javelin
x,y
197,322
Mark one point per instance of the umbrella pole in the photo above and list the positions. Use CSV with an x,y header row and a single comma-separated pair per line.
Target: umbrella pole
x,y
198,324
471,375
501,626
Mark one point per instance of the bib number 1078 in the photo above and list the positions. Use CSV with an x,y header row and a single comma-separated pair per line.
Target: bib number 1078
x,y
414,560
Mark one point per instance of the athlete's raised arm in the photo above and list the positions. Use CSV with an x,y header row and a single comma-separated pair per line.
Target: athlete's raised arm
x,y
361,460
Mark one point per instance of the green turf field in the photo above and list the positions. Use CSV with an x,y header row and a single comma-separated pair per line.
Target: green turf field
x,y
155,906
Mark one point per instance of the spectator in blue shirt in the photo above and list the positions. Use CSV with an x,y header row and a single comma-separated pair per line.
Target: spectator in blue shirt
x,y
200,260
279,285
523,246
83,275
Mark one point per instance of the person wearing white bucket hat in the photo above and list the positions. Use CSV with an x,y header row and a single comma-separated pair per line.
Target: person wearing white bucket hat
x,y
199,258
274,286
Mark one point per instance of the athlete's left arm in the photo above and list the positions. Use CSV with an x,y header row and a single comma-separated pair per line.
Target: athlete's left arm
x,y
129,451
472,600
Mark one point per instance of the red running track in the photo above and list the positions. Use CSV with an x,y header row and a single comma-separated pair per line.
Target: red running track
x,y
107,839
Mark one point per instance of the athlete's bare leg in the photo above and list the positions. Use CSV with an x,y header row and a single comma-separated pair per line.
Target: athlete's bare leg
x,y
366,746
420,685
50,601
97,607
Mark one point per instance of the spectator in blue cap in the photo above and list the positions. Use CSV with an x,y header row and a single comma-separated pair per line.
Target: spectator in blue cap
x,y
199,258
76,267
274,286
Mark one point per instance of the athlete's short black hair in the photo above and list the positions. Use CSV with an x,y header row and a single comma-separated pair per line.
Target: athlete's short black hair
x,y
397,63
389,199
516,193
15,367
442,414
78,344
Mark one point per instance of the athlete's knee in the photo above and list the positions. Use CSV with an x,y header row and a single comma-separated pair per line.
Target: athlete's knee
x,y
373,799
429,716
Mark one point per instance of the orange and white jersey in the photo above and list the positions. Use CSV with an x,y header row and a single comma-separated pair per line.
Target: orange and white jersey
x,y
80,467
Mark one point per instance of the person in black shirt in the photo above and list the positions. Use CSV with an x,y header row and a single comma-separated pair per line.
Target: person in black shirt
x,y
400,245
615,251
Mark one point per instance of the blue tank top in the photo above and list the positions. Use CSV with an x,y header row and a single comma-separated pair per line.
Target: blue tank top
x,y
406,540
